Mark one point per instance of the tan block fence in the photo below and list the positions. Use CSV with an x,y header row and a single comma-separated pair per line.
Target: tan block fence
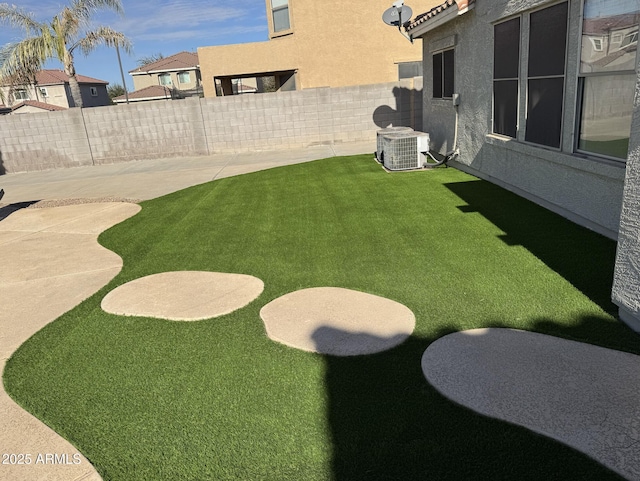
x,y
192,127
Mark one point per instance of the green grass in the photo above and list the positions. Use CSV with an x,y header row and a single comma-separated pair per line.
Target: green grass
x,y
147,399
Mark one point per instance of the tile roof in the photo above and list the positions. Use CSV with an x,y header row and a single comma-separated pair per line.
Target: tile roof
x,y
434,12
39,105
179,61
148,93
57,77
603,25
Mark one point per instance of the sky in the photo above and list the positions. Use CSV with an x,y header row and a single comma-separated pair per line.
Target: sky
x,y
599,8
156,26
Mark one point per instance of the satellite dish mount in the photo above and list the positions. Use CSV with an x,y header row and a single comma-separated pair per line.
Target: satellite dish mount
x,y
398,15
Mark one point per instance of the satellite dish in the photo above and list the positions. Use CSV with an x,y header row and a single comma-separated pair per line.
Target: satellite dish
x,y
397,16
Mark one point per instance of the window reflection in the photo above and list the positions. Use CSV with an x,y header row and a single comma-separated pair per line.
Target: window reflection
x,y
607,75
607,106
610,35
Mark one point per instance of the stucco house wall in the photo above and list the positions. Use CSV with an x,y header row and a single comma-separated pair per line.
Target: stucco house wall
x,y
100,98
583,188
141,81
626,280
330,44
58,92
56,95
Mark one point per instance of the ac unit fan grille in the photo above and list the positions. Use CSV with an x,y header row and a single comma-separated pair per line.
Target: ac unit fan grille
x,y
401,152
380,136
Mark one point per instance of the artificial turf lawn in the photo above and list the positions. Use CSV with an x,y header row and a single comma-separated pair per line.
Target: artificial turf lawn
x,y
148,399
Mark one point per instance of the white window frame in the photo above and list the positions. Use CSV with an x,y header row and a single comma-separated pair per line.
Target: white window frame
x,y
94,91
188,74
44,92
515,79
280,6
444,74
20,95
597,44
163,76
633,41
617,38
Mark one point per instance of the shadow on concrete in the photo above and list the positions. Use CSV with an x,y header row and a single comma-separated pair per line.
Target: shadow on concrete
x,y
2,169
407,111
7,210
332,341
588,264
388,423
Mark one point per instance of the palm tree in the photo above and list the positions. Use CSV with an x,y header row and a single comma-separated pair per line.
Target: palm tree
x,y
142,61
68,31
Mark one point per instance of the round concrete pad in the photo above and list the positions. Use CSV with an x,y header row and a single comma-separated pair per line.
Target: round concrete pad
x,y
585,396
337,321
183,295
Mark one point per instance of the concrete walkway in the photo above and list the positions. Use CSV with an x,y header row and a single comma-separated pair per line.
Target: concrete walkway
x,y
148,179
585,396
37,287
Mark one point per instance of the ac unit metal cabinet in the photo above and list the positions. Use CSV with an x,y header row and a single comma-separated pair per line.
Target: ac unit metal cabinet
x,y
381,133
404,150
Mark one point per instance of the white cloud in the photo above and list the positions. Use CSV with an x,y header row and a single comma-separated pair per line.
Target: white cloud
x,y
188,34
176,15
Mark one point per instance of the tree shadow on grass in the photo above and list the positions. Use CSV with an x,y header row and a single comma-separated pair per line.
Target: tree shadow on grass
x,y
587,264
388,423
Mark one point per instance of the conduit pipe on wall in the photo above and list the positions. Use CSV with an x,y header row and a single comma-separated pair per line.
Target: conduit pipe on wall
x,y
456,151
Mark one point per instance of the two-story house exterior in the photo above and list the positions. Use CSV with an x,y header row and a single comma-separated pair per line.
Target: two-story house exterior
x,y
51,88
179,72
317,44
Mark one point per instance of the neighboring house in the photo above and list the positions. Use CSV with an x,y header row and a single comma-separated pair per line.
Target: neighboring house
x,y
538,97
146,94
179,72
52,88
33,106
315,44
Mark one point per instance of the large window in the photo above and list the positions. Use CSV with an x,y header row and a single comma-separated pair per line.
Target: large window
x,y
443,84
506,65
184,77
409,70
20,94
545,78
280,10
164,79
607,76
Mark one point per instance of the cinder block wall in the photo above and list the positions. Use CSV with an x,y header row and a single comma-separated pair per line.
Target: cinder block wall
x,y
43,141
145,131
281,120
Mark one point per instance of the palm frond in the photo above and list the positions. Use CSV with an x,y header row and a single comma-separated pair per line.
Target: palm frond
x,y
102,36
19,18
23,58
83,10
16,70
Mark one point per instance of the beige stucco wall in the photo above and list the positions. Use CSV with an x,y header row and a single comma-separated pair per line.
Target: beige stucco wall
x,y
141,81
331,44
56,95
